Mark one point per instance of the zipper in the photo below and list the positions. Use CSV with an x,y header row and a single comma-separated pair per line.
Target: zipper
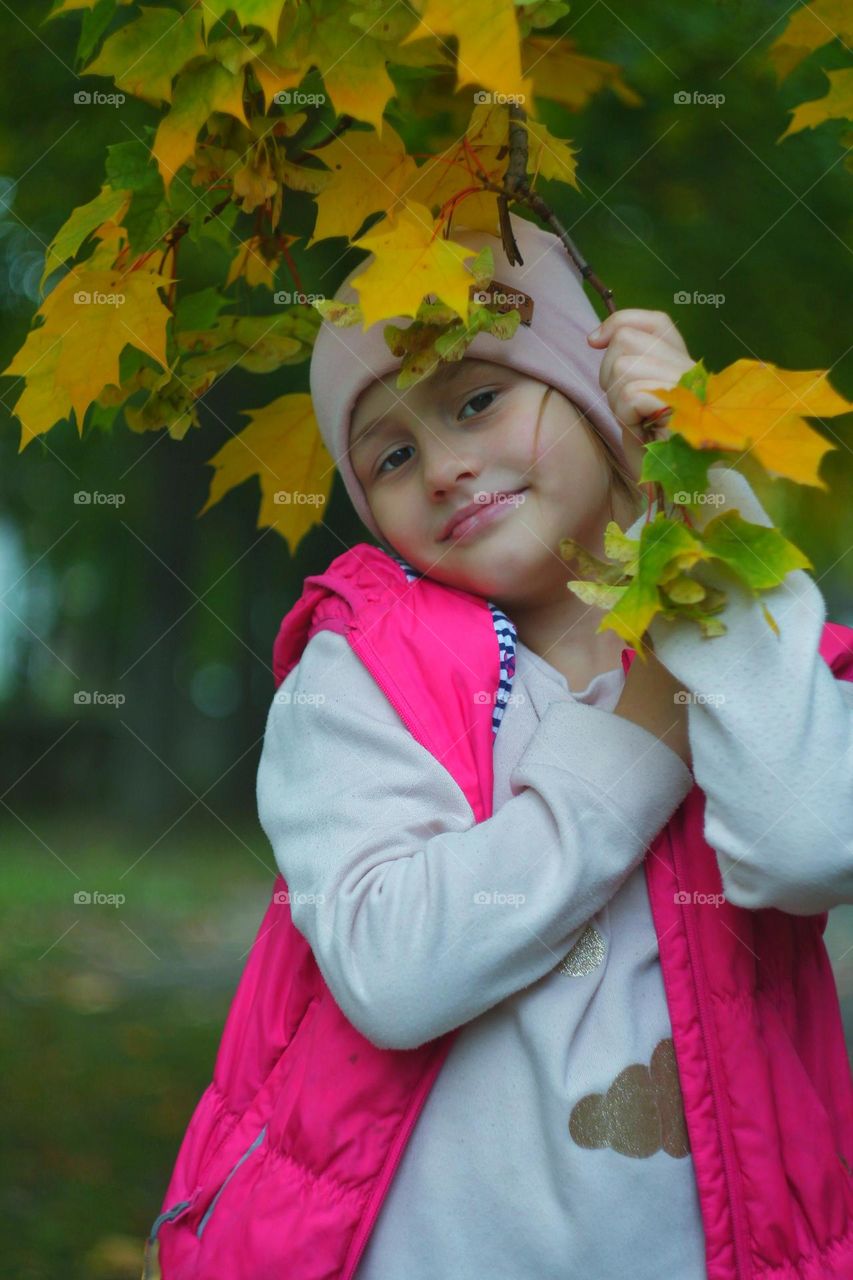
x,y
209,1210
169,1215
739,1233
362,652
359,1240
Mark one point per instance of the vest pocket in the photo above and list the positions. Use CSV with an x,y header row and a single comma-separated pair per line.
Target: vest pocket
x,y
245,1156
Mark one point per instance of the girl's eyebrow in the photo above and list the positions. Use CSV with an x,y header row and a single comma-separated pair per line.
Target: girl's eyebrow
x,y
444,375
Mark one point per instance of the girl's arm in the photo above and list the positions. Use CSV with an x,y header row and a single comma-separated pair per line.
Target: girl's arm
x,y
388,871
771,733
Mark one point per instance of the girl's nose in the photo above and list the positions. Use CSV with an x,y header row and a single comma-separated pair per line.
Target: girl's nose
x,y
445,467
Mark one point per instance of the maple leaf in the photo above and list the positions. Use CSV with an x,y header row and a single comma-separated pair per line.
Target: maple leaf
x,y
251,262
836,103
368,172
488,41
88,319
809,27
549,156
753,406
199,91
250,13
145,56
562,74
283,447
108,207
410,262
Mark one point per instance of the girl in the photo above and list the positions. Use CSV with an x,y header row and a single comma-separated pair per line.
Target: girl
x,y
542,990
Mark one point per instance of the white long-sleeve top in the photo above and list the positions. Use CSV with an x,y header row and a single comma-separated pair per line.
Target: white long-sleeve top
x,y
538,1150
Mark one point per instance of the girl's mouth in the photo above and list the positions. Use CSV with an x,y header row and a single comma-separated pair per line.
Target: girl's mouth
x,y
487,513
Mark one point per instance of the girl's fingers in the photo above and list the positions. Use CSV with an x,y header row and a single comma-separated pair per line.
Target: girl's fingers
x,y
634,329
634,404
635,318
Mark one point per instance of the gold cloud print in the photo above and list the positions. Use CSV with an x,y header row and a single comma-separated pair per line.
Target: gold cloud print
x,y
642,1112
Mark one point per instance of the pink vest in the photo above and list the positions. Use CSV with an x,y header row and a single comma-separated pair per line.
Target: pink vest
x,y
292,1147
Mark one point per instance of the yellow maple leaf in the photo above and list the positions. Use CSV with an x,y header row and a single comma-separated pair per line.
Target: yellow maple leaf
x,y
249,262
562,74
445,175
283,447
810,26
489,43
369,171
88,319
411,260
836,104
549,156
199,91
757,407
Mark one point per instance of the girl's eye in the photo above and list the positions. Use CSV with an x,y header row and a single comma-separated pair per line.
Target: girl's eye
x,y
478,396
380,470
489,395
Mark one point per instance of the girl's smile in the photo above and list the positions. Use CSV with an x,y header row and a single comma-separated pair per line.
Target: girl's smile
x,y
481,514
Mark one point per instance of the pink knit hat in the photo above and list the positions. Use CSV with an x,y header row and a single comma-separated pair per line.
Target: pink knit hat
x,y
552,348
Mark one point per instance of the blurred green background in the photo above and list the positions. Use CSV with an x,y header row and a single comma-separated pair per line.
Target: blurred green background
x,y
111,1015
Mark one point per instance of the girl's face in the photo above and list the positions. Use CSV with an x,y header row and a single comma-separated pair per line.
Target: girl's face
x,y
467,432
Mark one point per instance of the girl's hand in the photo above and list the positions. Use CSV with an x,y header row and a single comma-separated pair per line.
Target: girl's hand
x,y
644,350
